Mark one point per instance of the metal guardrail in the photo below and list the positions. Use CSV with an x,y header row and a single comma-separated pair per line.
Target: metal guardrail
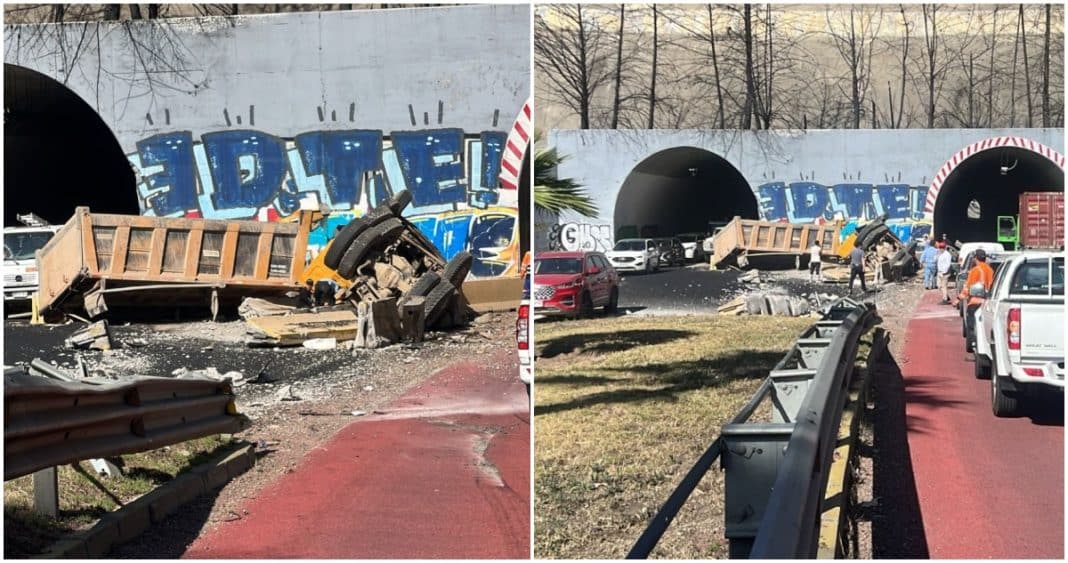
x,y
49,422
776,472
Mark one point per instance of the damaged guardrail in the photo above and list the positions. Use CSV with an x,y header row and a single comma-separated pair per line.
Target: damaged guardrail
x,y
49,422
776,472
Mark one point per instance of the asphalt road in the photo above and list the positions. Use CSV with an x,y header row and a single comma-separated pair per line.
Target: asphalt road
x,y
443,472
681,290
988,487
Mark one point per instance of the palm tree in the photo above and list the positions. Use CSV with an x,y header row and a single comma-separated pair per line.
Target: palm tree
x,y
558,194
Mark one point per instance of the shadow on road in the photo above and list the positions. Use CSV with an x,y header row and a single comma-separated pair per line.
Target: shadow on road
x,y
896,521
924,392
605,342
675,378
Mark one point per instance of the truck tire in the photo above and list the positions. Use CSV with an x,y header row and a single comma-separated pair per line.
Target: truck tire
x,y
982,367
423,285
437,301
349,233
457,269
399,201
1003,405
376,237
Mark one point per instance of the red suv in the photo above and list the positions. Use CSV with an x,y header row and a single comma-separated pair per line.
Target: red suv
x,y
573,283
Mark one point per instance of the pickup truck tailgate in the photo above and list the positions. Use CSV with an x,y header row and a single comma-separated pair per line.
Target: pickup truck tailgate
x,y
1042,331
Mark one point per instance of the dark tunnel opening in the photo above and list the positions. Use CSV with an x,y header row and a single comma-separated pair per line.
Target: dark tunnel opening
x,y
59,153
681,190
979,183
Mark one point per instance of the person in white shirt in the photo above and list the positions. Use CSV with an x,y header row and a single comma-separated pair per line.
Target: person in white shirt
x,y
945,259
814,261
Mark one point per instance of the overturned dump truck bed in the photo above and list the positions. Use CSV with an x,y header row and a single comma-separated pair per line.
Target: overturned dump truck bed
x,y
131,259
742,238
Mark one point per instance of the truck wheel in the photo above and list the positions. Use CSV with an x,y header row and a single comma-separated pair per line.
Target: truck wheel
x,y
436,302
378,236
982,367
457,269
1003,405
423,285
349,233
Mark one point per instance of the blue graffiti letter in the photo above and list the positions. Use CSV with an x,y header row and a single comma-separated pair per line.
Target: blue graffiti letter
x,y
247,167
431,163
173,151
808,201
343,158
492,150
772,201
895,200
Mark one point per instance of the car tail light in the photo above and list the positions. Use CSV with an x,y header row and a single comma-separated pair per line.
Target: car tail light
x,y
1013,328
521,327
1033,372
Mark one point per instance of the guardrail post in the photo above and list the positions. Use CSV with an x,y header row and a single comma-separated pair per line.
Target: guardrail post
x,y
751,457
46,492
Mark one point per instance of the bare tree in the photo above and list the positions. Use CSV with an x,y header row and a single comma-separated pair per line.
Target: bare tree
x,y
931,75
1045,72
750,83
1027,70
652,73
855,44
570,59
619,67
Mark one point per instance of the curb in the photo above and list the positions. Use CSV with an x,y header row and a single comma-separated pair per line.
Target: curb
x,y
133,519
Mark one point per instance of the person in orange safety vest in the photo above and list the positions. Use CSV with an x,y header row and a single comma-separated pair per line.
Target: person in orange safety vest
x,y
981,272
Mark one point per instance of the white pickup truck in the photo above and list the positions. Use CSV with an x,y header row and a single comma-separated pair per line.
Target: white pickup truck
x,y
1020,341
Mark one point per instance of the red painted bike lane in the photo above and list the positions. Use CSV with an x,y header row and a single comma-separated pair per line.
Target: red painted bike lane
x,y
988,487
443,472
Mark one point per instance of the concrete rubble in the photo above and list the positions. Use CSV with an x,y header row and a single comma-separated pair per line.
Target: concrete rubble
x,y
388,284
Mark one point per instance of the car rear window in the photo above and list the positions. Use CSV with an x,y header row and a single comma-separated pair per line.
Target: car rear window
x,y
1033,278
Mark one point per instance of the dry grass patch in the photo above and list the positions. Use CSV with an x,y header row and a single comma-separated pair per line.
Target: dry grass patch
x,y
623,408
82,503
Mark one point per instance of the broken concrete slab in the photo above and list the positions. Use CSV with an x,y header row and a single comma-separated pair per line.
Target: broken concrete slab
x,y
293,330
96,336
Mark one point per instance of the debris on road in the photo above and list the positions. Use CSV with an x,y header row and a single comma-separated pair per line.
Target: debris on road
x,y
96,336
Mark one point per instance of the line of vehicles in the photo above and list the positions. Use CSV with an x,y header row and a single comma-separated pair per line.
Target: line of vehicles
x,y
1015,330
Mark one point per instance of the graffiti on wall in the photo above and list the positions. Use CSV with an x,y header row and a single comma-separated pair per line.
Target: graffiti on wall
x,y
580,237
805,202
248,174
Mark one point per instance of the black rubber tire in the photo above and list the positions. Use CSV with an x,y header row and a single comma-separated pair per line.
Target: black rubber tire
x,y
399,201
423,285
437,301
378,236
585,306
867,239
613,302
457,269
982,367
1001,404
348,234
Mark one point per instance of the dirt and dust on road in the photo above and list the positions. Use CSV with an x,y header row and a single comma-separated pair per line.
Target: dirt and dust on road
x,y
296,397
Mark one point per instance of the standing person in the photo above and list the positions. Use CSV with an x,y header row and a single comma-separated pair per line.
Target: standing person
x,y
856,269
945,260
982,273
814,261
929,259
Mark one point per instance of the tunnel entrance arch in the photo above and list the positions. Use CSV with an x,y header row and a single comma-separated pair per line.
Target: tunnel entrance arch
x,y
59,153
984,180
681,190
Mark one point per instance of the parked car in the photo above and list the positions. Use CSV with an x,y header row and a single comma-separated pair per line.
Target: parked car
x,y
1020,331
524,334
20,263
635,254
672,252
574,283
966,250
995,261
693,245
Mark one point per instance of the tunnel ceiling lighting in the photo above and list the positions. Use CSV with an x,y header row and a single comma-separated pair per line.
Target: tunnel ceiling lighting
x,y
1005,169
693,171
